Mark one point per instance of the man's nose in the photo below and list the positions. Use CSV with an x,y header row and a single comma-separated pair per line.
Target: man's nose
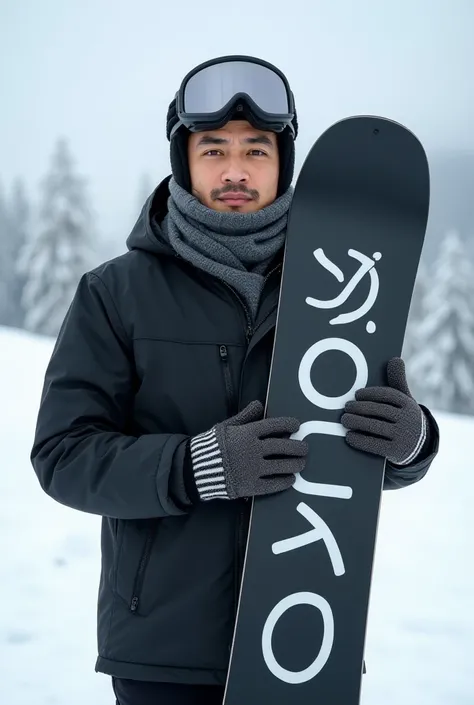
x,y
235,172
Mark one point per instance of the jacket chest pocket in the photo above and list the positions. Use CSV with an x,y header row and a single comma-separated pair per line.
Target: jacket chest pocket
x,y
186,387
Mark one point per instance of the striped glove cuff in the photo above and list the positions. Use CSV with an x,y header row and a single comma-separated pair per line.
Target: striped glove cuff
x,y
421,442
207,466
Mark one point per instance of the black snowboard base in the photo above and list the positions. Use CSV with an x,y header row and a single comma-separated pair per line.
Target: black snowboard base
x,y
354,240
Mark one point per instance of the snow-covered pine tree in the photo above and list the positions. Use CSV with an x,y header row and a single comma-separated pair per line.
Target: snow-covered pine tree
x,y
7,265
60,250
443,365
20,221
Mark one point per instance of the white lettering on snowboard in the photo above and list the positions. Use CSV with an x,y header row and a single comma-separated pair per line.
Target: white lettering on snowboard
x,y
321,530
299,598
367,266
318,488
304,373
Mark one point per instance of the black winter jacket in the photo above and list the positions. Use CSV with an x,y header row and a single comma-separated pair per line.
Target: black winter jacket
x,y
151,352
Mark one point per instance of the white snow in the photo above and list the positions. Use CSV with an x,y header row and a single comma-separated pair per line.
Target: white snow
x,y
420,638
50,557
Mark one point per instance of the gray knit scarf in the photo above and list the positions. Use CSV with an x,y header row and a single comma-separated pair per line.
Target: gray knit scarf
x,y
235,247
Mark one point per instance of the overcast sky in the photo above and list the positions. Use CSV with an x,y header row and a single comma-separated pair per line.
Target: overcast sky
x,y
102,73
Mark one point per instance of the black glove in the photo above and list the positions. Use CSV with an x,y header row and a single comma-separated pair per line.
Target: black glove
x,y
244,456
387,421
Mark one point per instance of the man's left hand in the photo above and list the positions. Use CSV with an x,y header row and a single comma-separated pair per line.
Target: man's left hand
x,y
387,421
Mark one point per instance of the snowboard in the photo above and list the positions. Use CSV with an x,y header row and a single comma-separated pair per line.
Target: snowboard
x,y
354,238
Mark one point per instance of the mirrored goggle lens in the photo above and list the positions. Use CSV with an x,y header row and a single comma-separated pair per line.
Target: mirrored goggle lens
x,y
212,88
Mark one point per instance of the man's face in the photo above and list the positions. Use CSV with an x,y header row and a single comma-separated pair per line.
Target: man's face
x,y
234,168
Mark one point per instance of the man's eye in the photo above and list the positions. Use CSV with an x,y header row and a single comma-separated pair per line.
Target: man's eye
x,y
212,151
258,152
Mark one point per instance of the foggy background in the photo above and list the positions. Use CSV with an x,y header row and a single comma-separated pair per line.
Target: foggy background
x,y
84,91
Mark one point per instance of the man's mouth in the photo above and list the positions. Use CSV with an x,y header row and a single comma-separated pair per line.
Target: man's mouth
x,y
235,198
233,195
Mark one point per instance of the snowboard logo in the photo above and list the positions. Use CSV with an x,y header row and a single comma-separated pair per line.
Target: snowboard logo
x,y
367,267
320,531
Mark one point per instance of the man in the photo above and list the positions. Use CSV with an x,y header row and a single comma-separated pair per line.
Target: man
x,y
152,409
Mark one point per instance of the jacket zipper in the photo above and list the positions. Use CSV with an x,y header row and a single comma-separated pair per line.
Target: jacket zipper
x,y
142,566
229,388
249,329
240,538
275,269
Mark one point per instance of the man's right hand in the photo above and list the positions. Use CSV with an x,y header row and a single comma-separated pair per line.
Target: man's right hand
x,y
247,455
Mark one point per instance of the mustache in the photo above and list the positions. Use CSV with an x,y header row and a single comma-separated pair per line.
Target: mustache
x,y
216,193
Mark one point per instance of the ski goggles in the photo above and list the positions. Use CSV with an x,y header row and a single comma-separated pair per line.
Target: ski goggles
x,y
215,90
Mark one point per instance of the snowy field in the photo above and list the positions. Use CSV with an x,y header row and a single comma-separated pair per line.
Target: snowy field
x,y
420,641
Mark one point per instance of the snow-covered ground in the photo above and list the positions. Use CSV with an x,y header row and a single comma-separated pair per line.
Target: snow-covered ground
x,y
420,640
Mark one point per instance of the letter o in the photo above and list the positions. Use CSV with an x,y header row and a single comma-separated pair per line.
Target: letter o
x,y
308,359
298,598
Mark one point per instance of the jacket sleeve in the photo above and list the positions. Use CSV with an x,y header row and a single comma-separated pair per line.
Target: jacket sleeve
x,y
397,477
82,454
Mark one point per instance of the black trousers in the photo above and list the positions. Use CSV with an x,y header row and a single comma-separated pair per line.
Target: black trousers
x,y
130,692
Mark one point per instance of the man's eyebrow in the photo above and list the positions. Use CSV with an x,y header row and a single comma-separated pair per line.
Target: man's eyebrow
x,y
261,139
210,140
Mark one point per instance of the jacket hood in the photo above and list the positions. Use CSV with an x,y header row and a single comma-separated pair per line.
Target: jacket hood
x,y
147,234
